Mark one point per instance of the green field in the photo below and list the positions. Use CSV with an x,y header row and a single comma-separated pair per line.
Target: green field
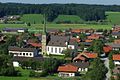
x,y
113,17
32,18
38,27
71,18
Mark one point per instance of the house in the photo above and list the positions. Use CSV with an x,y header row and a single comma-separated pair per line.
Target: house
x,y
116,34
17,60
116,70
93,37
14,30
23,52
67,70
58,44
82,66
116,59
114,46
85,56
107,49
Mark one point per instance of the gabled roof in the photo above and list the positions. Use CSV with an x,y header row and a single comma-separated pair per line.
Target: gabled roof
x,y
36,44
107,49
67,68
91,55
81,64
14,48
84,55
116,57
94,36
56,40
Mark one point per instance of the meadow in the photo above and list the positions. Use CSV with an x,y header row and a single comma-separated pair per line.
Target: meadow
x,y
32,18
39,27
71,18
113,17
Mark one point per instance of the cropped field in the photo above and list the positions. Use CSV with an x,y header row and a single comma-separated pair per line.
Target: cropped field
x,y
68,18
113,17
32,18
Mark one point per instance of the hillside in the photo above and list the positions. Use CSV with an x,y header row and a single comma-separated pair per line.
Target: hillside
x,y
113,17
68,19
32,18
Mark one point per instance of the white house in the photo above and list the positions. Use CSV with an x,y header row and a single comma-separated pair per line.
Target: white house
x,y
82,66
22,52
67,70
116,59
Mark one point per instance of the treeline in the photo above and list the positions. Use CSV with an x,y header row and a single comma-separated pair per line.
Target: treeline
x,y
84,11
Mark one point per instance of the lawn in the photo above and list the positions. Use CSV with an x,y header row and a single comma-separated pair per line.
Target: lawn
x,y
113,17
32,18
71,18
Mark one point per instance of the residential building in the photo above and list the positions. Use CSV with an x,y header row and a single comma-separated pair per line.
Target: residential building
x,y
67,70
116,59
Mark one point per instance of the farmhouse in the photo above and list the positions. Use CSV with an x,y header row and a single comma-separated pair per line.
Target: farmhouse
x,y
67,70
82,66
85,56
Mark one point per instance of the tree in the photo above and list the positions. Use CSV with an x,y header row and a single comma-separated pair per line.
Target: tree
x,y
51,65
97,46
98,71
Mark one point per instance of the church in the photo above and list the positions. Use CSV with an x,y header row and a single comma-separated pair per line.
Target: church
x,y
56,44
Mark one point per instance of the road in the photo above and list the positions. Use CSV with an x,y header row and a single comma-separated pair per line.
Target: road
x,y
108,74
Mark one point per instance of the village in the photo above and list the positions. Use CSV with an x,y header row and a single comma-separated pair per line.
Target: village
x,y
67,53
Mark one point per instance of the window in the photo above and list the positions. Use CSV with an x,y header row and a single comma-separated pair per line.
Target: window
x,y
51,49
23,53
20,53
26,53
30,54
59,50
55,50
48,48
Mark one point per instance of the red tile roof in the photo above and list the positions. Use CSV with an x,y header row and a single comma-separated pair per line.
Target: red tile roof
x,y
116,57
91,55
94,36
36,44
75,30
117,41
75,39
67,68
107,49
87,40
84,55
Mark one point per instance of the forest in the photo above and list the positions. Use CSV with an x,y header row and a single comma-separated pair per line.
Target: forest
x,y
84,11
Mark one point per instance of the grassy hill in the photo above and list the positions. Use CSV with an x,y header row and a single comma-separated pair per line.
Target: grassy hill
x,y
113,17
32,18
68,18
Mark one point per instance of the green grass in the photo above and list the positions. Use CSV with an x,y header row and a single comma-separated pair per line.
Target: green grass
x,y
113,17
71,18
32,18
39,27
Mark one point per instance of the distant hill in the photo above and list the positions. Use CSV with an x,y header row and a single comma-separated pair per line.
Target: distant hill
x,y
113,17
68,19
32,18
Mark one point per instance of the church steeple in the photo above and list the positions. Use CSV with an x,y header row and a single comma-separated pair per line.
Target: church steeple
x,y
44,27
44,39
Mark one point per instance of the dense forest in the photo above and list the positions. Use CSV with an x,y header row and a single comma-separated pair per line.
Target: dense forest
x,y
84,11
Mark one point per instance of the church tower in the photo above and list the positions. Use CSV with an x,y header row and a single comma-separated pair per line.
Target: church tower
x,y
44,39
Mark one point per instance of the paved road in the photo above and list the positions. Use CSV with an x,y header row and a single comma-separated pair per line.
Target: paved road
x,y
108,74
